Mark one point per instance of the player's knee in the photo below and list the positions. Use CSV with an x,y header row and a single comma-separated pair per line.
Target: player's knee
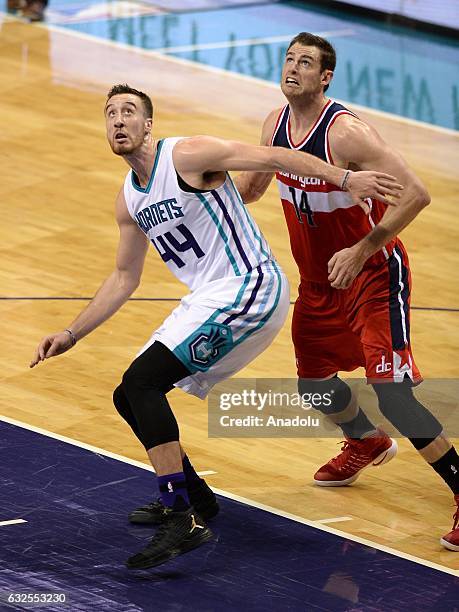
x,y
399,405
131,382
329,396
121,402
149,407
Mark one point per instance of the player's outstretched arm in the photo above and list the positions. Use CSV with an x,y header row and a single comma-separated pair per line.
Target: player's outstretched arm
x,y
253,185
113,292
204,156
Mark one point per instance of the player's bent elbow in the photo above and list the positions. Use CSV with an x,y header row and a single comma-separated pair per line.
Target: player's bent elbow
x,y
419,195
427,199
133,284
423,197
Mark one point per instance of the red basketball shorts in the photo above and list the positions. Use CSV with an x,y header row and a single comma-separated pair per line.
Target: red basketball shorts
x,y
366,325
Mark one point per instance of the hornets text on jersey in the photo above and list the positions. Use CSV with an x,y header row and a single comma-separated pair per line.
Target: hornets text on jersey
x,y
201,236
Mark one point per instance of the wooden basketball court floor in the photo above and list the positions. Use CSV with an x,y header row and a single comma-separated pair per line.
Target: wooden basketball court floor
x,y
58,239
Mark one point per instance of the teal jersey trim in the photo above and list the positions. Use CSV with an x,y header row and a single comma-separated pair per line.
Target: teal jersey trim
x,y
153,172
263,303
237,212
269,314
221,231
250,221
236,302
182,351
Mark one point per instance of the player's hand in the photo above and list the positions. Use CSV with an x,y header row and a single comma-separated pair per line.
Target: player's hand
x,y
367,184
52,345
344,266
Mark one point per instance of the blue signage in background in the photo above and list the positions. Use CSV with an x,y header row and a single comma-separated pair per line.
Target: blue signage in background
x,y
390,69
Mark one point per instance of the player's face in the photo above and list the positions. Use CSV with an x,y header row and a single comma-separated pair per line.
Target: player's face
x,y
301,74
126,123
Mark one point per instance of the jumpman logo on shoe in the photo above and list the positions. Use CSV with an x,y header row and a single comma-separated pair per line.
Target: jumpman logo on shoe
x,y
194,525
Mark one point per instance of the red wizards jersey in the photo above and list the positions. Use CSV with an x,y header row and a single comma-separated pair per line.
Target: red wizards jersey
x,y
321,218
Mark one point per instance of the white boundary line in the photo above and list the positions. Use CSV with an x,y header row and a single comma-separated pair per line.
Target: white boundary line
x,y
338,519
12,522
337,532
243,500
228,73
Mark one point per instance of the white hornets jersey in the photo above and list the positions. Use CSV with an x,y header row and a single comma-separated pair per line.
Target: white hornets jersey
x,y
201,236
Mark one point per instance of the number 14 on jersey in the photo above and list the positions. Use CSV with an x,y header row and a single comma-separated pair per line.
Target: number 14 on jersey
x,y
302,206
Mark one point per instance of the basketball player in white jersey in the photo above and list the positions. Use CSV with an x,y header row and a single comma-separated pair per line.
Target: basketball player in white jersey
x,y
353,307
179,196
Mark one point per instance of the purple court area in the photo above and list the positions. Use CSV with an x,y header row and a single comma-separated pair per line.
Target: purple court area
x,y
77,538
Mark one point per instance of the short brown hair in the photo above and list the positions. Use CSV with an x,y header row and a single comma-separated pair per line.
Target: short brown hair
x,y
125,89
327,51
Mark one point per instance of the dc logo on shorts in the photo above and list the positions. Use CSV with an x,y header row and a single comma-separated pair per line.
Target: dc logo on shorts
x,y
209,344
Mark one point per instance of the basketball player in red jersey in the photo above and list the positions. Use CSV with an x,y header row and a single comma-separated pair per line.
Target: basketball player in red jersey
x,y
354,296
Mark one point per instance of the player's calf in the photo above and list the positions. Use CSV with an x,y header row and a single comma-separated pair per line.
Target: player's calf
x,y
339,405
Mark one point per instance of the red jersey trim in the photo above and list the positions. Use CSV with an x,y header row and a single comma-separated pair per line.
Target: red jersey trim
x,y
311,131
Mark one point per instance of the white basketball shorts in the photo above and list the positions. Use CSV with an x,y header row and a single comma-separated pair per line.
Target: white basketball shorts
x,y
219,328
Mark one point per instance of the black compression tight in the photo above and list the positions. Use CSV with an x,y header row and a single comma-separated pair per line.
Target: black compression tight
x,y
141,397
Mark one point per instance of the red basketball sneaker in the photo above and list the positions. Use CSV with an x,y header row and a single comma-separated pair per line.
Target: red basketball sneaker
x,y
451,539
354,457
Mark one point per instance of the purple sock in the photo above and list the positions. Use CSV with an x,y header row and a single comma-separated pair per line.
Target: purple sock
x,y
173,491
192,479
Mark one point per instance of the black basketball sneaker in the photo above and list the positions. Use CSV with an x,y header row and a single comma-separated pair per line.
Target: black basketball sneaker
x,y
179,533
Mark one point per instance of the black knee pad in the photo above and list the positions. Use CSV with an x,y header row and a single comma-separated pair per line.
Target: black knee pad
x,y
154,420
121,403
398,404
123,407
145,384
328,396
151,411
